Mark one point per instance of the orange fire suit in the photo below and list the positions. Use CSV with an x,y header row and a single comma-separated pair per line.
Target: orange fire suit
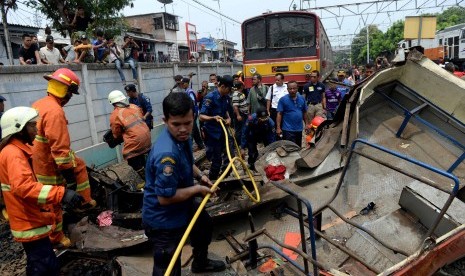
x,y
26,199
128,122
52,152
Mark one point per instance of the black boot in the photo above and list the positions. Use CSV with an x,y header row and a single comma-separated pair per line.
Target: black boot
x,y
202,264
207,266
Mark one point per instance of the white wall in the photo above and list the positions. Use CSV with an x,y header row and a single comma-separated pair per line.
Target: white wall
x,y
88,113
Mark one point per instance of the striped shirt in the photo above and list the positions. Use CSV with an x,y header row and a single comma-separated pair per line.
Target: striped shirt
x,y
240,100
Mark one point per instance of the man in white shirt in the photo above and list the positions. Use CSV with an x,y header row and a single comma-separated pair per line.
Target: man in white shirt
x,y
49,54
275,92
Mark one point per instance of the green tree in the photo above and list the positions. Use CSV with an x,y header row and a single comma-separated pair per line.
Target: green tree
x,y
450,17
387,42
359,44
106,13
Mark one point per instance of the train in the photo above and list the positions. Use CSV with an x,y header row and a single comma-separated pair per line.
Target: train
x,y
293,43
448,44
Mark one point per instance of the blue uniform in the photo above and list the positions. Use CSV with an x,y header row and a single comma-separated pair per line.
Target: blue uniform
x,y
170,167
215,105
254,132
144,103
314,92
292,111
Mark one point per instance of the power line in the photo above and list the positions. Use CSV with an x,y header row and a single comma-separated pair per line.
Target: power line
x,y
213,10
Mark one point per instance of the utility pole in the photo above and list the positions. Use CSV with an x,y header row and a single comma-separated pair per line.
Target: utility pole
x,y
5,31
222,31
368,44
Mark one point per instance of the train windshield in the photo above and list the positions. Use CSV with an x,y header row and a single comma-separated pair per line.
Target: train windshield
x,y
280,32
291,31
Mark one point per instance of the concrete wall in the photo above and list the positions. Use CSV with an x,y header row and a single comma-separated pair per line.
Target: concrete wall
x,y
88,113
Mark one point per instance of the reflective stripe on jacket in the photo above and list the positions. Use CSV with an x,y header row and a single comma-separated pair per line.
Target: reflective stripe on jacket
x,y
26,199
128,123
52,146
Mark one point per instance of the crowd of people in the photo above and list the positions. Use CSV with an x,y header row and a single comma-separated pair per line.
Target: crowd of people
x,y
41,174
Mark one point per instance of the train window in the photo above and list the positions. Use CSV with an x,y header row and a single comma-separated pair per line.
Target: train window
x,y
462,34
291,31
450,41
255,34
456,40
440,41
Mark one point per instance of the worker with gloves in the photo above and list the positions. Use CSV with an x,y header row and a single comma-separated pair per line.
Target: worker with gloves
x,y
127,121
53,160
26,199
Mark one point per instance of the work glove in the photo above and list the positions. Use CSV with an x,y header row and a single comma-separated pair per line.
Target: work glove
x,y
70,178
72,199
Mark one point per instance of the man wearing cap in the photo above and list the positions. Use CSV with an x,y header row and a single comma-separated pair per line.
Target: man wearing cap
x,y
195,131
29,52
142,102
53,160
84,51
49,54
314,93
214,109
345,83
259,128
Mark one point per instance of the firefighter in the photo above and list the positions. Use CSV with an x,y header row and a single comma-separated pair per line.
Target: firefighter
x,y
127,121
53,160
310,132
26,199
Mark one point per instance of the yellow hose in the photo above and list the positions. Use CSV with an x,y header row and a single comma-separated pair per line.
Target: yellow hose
x,y
207,197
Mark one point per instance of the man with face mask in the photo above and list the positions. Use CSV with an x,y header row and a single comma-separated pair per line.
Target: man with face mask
x,y
259,128
53,160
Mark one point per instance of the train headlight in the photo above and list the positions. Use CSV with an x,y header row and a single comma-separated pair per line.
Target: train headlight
x,y
307,67
253,70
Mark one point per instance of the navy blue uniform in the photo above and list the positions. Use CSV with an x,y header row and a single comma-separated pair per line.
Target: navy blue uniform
x,y
257,131
169,167
314,93
215,105
144,103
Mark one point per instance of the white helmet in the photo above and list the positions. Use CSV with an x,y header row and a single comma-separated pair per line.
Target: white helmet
x,y
14,119
117,96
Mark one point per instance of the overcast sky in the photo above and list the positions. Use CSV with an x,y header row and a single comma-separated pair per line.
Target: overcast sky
x,y
208,22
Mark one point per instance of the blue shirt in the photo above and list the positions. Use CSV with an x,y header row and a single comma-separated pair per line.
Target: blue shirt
x,y
314,92
144,103
257,131
169,167
190,92
292,111
344,90
214,104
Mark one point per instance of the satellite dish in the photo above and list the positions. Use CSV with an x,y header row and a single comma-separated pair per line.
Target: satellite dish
x,y
165,1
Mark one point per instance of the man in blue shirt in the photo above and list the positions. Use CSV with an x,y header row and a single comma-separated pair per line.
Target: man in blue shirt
x,y
170,190
315,96
345,88
291,113
141,101
214,109
258,128
196,131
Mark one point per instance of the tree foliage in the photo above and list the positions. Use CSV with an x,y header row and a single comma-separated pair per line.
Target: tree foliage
x,y
381,43
106,13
